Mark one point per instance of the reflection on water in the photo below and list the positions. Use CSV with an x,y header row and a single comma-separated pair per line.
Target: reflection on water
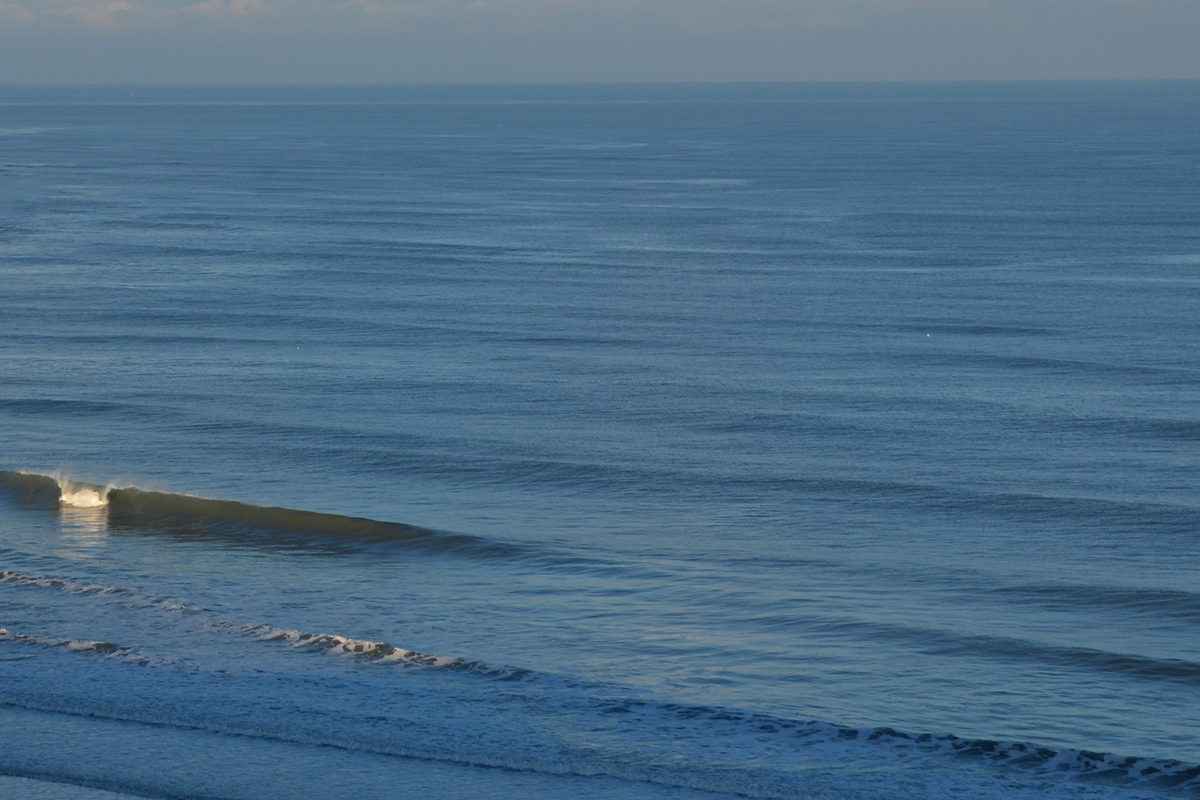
x,y
83,530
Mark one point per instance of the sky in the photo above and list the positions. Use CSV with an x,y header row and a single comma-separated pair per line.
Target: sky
x,y
481,41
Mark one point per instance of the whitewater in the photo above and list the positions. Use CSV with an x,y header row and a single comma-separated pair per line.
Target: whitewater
x,y
598,442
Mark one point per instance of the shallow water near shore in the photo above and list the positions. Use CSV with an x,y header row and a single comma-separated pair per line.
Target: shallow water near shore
x,y
768,441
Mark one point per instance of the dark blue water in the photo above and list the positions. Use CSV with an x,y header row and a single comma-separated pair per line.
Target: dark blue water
x,y
781,441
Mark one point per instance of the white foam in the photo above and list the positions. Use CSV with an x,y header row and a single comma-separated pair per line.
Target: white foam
x,y
80,495
83,497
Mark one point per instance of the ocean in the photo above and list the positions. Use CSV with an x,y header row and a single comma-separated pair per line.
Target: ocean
x,y
831,441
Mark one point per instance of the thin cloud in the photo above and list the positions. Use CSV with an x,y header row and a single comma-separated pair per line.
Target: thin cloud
x,y
227,8
100,15
13,14
496,9
586,40
388,9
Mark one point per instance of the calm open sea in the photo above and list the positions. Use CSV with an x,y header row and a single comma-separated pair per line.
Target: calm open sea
x,y
830,441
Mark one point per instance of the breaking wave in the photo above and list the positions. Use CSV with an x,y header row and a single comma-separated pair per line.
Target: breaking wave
x,y
81,496
133,509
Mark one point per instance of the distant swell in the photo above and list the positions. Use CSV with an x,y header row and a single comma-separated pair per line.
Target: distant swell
x,y
131,508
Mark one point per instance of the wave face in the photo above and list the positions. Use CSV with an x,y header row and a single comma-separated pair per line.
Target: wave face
x,y
666,442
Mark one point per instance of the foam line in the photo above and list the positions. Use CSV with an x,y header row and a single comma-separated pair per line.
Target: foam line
x,y
131,596
343,645
79,646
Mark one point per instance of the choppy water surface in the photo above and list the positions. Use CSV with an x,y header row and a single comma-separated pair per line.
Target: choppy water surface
x,y
783,441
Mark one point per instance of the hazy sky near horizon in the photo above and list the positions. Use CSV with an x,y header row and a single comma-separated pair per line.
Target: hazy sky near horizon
x,y
253,41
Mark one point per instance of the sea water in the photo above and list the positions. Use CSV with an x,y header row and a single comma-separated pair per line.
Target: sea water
x,y
612,441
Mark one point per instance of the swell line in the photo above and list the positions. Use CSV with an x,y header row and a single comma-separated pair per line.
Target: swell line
x,y
332,644
639,718
742,732
947,643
